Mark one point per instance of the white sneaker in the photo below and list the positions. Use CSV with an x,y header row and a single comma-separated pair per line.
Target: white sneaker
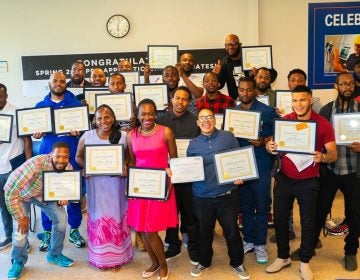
x,y
248,247
261,254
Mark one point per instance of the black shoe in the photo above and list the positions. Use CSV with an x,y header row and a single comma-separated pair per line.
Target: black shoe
x,y
295,256
350,262
172,253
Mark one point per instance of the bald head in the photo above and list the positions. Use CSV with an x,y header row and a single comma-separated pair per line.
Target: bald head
x,y
232,46
98,78
232,37
57,84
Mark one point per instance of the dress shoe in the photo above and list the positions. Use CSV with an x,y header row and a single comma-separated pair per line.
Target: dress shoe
x,y
278,264
305,270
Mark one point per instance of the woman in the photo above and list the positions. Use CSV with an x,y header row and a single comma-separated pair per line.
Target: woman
x,y
149,146
108,232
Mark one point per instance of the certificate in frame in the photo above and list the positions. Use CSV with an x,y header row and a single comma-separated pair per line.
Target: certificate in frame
x,y
236,164
156,92
295,136
89,96
147,183
71,118
347,128
256,57
76,90
187,170
160,56
6,125
31,120
104,159
243,123
182,144
65,185
120,103
283,101
219,120
131,78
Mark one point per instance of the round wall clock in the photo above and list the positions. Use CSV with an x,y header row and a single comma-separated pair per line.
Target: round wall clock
x,y
118,26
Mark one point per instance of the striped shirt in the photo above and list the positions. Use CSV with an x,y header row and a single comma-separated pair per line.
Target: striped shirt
x,y
25,182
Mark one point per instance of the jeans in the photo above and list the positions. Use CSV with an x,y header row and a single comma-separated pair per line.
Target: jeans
x,y
306,192
350,187
57,215
5,215
225,209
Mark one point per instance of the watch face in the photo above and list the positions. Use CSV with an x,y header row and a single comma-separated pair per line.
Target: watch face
x,y
118,26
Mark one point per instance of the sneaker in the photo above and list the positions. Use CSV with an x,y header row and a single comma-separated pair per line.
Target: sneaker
x,y
76,238
185,239
198,270
339,230
295,256
278,265
172,253
6,243
270,220
60,260
261,254
194,262
241,271
240,223
45,241
350,262
15,270
248,247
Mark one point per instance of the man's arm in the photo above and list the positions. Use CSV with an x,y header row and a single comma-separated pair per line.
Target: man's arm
x,y
330,155
27,146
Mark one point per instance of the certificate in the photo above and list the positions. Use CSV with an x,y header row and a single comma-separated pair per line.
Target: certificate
x,y
131,77
64,185
219,119
147,183
256,57
236,164
104,159
264,99
71,118
187,169
161,56
243,123
347,128
295,136
89,95
283,101
76,90
182,145
156,92
6,124
120,103
33,120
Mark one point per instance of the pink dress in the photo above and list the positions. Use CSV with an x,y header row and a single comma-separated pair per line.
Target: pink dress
x,y
147,215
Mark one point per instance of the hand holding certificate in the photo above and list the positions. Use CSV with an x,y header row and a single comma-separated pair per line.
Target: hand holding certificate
x,y
187,169
64,185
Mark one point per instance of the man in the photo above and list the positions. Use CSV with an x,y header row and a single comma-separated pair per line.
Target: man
x,y
78,75
213,201
255,197
356,76
25,186
98,77
213,98
9,152
183,124
124,65
59,97
263,88
350,62
302,185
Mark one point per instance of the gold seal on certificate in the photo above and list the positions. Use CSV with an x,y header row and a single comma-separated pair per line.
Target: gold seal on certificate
x,y
156,92
295,136
6,124
187,169
147,183
236,164
243,123
104,159
71,118
347,128
89,96
256,57
31,120
65,185
120,103
161,56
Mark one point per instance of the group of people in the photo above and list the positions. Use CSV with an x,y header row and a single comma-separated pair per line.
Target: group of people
x,y
149,138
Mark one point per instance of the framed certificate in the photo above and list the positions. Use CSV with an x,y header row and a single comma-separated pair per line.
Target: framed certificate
x,y
147,183
104,159
347,128
89,95
65,185
187,169
120,103
161,56
219,120
182,145
264,99
243,123
236,164
295,136
71,118
131,78
283,101
156,92
76,90
256,57
33,120
6,124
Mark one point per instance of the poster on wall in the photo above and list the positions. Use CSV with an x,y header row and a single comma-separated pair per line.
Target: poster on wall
x,y
37,69
334,41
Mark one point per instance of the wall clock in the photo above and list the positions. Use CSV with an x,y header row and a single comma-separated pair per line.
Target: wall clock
x,y
118,26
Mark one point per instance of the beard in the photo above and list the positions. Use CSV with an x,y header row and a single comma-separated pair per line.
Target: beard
x,y
262,89
57,169
237,52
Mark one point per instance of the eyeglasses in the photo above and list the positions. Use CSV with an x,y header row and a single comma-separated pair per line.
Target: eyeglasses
x,y
351,84
206,118
234,44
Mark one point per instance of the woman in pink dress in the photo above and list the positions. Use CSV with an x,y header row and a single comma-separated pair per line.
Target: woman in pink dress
x,y
149,146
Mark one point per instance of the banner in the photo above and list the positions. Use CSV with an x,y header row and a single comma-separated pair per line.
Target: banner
x,y
334,29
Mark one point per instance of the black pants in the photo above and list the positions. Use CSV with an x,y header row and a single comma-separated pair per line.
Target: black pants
x,y
350,187
306,192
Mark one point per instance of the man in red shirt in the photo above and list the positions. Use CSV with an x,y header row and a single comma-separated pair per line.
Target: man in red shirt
x,y
302,185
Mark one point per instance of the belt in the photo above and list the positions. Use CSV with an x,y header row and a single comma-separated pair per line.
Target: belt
x,y
226,193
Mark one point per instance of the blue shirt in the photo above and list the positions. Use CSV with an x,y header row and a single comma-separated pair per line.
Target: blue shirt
x,y
207,146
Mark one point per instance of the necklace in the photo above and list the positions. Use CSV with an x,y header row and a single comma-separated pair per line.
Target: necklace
x,y
148,132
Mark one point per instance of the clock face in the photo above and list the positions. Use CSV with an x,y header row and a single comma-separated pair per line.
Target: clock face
x,y
118,26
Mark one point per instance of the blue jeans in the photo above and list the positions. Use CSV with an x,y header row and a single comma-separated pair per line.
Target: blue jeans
x,y
57,215
5,215
74,217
